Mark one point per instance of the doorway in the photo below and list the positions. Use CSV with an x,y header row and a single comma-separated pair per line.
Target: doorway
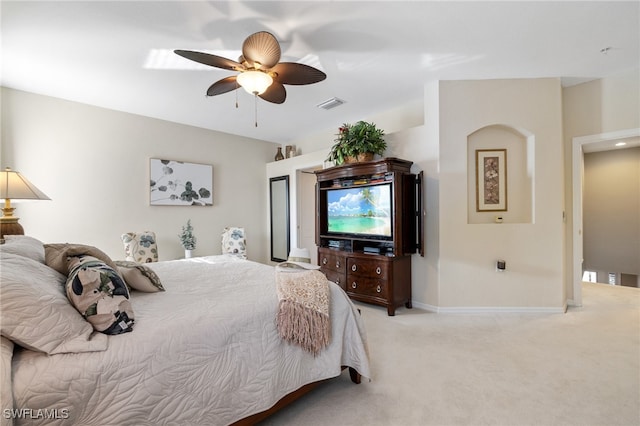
x,y
307,212
579,144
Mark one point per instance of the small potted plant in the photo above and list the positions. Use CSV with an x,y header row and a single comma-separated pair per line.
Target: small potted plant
x,y
187,239
357,142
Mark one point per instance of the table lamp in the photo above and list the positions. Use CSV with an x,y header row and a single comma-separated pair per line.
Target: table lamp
x,y
15,186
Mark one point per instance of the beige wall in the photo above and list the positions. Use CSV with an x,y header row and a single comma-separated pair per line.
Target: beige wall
x,y
63,144
519,173
458,271
391,120
421,145
532,251
603,105
600,106
611,211
290,167
93,163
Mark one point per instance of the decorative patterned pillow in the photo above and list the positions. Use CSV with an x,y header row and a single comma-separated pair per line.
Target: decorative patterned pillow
x,y
139,277
36,313
234,242
140,247
23,245
99,294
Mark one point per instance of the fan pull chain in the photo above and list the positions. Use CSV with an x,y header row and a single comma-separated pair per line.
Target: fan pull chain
x,y
255,97
237,86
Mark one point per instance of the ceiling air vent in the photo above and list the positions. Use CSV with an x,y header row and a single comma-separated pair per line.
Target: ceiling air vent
x,y
330,103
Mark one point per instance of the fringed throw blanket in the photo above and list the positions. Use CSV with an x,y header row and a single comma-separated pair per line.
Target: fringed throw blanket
x,y
303,310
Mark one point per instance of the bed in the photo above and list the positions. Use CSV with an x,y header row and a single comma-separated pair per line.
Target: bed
x,y
204,351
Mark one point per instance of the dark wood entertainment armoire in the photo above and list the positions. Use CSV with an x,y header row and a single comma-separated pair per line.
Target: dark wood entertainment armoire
x,y
374,265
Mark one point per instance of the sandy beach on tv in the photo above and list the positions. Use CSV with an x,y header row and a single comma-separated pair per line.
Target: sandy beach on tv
x,y
361,225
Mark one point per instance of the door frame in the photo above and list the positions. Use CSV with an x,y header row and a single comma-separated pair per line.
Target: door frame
x,y
306,210
578,144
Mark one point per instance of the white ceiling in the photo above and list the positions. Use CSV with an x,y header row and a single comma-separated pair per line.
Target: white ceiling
x,y
377,55
610,145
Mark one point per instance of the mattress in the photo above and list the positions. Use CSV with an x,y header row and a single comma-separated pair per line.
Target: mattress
x,y
206,351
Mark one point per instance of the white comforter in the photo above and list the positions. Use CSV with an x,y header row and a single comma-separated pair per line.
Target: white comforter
x,y
204,352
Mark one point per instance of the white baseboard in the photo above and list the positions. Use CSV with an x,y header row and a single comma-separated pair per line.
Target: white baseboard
x,y
424,306
571,302
491,309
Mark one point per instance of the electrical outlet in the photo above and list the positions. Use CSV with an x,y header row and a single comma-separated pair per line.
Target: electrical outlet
x,y
501,265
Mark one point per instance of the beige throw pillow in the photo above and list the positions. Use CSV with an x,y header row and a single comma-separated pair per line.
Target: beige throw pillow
x,y
36,313
56,255
24,245
139,277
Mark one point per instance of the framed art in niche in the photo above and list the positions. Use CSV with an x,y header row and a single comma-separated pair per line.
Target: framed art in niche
x,y
491,180
178,183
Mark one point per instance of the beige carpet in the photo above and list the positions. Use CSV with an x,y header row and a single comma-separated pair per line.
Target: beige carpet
x,y
578,368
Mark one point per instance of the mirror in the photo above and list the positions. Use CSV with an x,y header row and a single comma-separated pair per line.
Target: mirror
x,y
279,199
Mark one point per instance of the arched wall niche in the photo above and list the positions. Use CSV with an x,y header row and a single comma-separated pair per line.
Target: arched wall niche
x,y
519,146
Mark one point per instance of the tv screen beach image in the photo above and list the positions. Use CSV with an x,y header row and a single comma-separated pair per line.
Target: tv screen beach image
x,y
360,211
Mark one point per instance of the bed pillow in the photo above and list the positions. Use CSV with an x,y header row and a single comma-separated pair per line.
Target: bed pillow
x,y
99,293
6,392
23,245
139,277
36,313
56,255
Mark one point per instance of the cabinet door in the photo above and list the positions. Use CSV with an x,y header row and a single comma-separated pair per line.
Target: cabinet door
x,y
368,268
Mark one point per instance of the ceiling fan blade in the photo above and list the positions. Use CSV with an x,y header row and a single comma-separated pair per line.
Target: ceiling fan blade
x,y
261,47
276,93
223,86
209,59
297,74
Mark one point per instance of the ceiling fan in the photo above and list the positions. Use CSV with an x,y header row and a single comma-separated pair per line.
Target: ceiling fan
x,y
260,72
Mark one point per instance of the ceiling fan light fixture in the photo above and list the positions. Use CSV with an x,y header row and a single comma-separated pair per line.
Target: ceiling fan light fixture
x,y
259,69
254,82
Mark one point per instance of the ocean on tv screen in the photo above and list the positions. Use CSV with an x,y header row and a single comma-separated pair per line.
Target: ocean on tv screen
x,y
362,210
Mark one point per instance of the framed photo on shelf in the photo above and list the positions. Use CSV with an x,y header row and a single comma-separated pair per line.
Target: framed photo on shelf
x,y
491,180
178,183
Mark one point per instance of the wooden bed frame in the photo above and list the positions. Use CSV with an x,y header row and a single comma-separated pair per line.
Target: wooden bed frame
x,y
290,398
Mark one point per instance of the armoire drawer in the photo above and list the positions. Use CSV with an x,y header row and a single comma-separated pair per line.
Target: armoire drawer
x,y
368,268
336,277
367,286
332,262
370,278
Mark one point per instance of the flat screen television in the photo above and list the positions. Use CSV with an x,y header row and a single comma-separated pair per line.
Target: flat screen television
x,y
361,211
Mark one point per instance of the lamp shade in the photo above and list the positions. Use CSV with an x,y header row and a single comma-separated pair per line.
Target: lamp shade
x,y
254,82
14,186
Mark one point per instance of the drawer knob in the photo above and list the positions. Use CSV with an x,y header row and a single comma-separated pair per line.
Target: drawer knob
x,y
379,289
338,264
354,268
378,270
354,285
324,260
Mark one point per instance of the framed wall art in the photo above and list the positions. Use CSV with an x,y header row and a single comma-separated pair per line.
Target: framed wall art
x,y
491,180
177,183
